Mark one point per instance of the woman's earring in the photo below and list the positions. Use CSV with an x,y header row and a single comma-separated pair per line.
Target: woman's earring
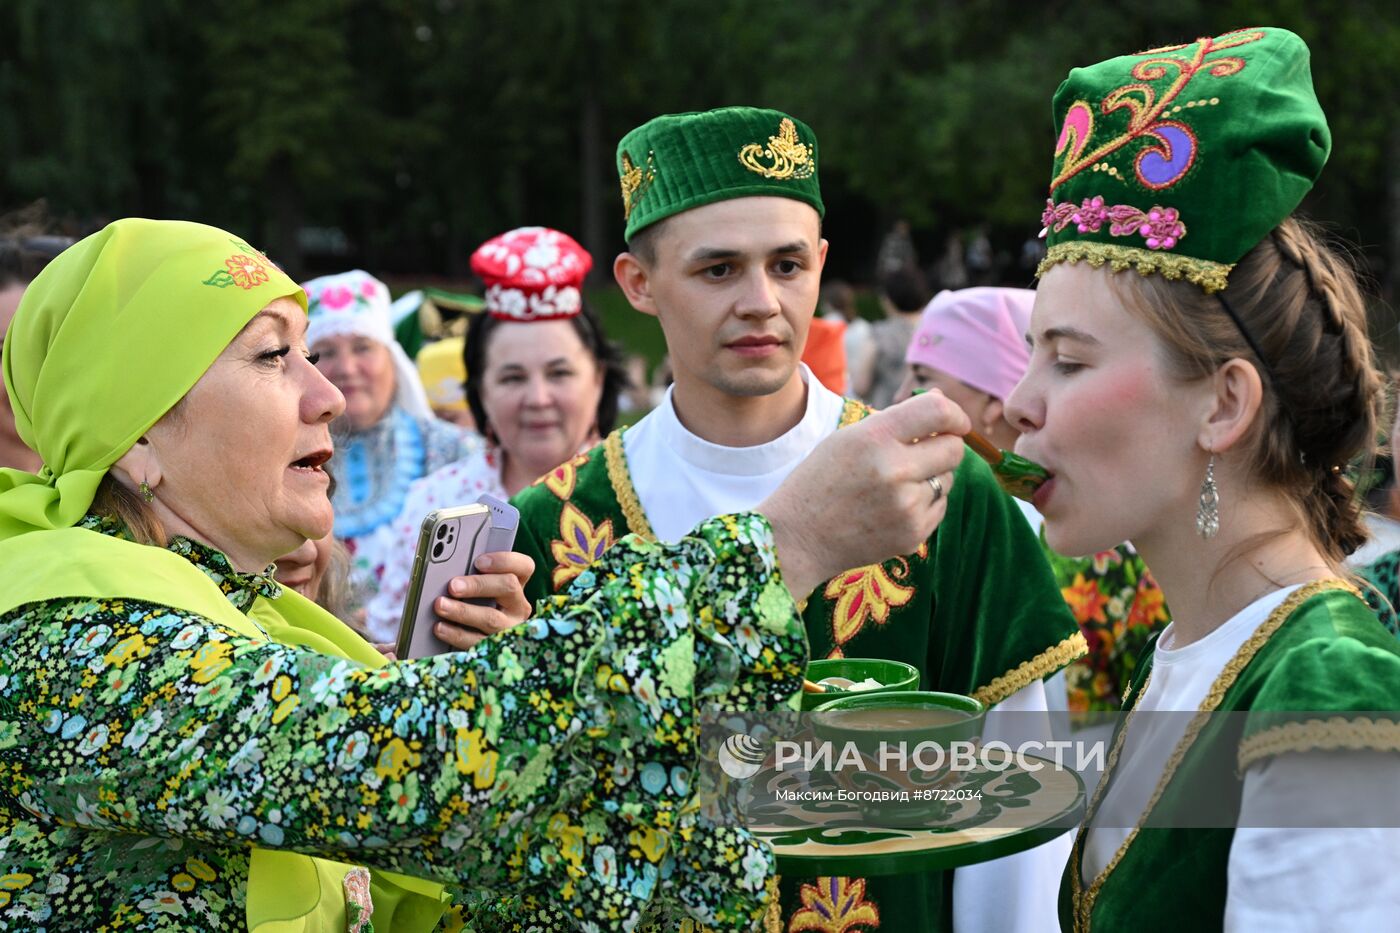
x,y
1208,511
147,493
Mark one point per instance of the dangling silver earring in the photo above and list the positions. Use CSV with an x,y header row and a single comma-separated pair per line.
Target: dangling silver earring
x,y
147,493
1208,511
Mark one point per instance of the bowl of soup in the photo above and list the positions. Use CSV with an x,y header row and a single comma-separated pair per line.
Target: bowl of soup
x,y
857,676
893,716
896,753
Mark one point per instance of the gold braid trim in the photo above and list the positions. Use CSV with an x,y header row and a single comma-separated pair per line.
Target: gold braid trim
x,y
853,411
773,919
1211,276
621,481
1037,668
1336,732
1084,900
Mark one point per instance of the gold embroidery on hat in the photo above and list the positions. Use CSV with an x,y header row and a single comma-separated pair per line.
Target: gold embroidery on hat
x,y
789,156
635,182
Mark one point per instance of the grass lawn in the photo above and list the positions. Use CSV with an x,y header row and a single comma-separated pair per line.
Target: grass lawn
x,y
636,332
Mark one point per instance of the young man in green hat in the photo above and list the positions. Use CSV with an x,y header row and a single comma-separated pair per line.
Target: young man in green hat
x,y
724,240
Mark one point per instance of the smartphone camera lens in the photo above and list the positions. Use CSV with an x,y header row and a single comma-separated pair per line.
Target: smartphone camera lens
x,y
437,550
442,532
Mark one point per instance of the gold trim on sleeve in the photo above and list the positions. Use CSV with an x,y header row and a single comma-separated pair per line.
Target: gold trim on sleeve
x,y
623,489
773,919
1037,668
1331,734
1083,900
852,412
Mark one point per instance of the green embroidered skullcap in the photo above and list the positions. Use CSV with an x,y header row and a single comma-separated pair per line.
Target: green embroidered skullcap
x,y
684,160
107,339
1179,160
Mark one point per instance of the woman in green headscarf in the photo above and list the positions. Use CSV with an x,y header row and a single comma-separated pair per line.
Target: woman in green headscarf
x,y
185,744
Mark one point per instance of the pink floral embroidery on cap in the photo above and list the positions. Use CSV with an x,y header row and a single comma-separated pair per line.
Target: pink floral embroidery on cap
x,y
1161,227
336,297
1091,215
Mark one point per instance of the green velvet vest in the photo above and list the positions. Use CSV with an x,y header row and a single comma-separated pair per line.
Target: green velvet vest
x,y
1321,650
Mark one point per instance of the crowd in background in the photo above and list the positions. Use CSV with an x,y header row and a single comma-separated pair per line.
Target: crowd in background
x,y
442,428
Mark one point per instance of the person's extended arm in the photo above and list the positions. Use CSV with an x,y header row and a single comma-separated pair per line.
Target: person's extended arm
x,y
575,730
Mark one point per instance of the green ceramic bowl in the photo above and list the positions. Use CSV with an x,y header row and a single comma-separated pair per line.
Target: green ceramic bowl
x,y
893,675
911,716
928,729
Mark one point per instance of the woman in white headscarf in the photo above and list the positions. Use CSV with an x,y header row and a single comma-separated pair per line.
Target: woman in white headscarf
x,y
388,436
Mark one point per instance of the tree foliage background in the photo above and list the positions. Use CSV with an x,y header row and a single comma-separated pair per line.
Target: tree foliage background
x,y
398,134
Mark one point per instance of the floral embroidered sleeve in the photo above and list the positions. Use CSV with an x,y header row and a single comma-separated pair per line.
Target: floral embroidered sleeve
x,y
549,768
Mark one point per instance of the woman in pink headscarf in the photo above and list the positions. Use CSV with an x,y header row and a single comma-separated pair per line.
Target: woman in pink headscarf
x,y
971,345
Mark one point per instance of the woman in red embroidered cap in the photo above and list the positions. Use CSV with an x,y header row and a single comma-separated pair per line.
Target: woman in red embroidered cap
x,y
542,383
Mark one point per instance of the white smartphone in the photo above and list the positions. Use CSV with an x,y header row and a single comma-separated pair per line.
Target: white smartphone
x,y
449,543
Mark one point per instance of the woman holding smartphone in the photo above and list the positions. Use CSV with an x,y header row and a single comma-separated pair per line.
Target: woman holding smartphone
x,y
542,384
186,742
1199,378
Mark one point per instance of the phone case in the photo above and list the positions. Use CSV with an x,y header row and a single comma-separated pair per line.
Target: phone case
x,y
449,543
505,519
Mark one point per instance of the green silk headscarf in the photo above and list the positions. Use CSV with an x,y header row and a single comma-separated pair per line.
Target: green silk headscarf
x,y
107,339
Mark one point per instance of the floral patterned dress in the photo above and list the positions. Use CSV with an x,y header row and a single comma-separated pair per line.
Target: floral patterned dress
x,y
1119,607
544,776
1382,589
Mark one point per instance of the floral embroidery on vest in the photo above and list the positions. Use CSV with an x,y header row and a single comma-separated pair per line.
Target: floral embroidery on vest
x,y
860,594
562,479
834,905
865,593
580,543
